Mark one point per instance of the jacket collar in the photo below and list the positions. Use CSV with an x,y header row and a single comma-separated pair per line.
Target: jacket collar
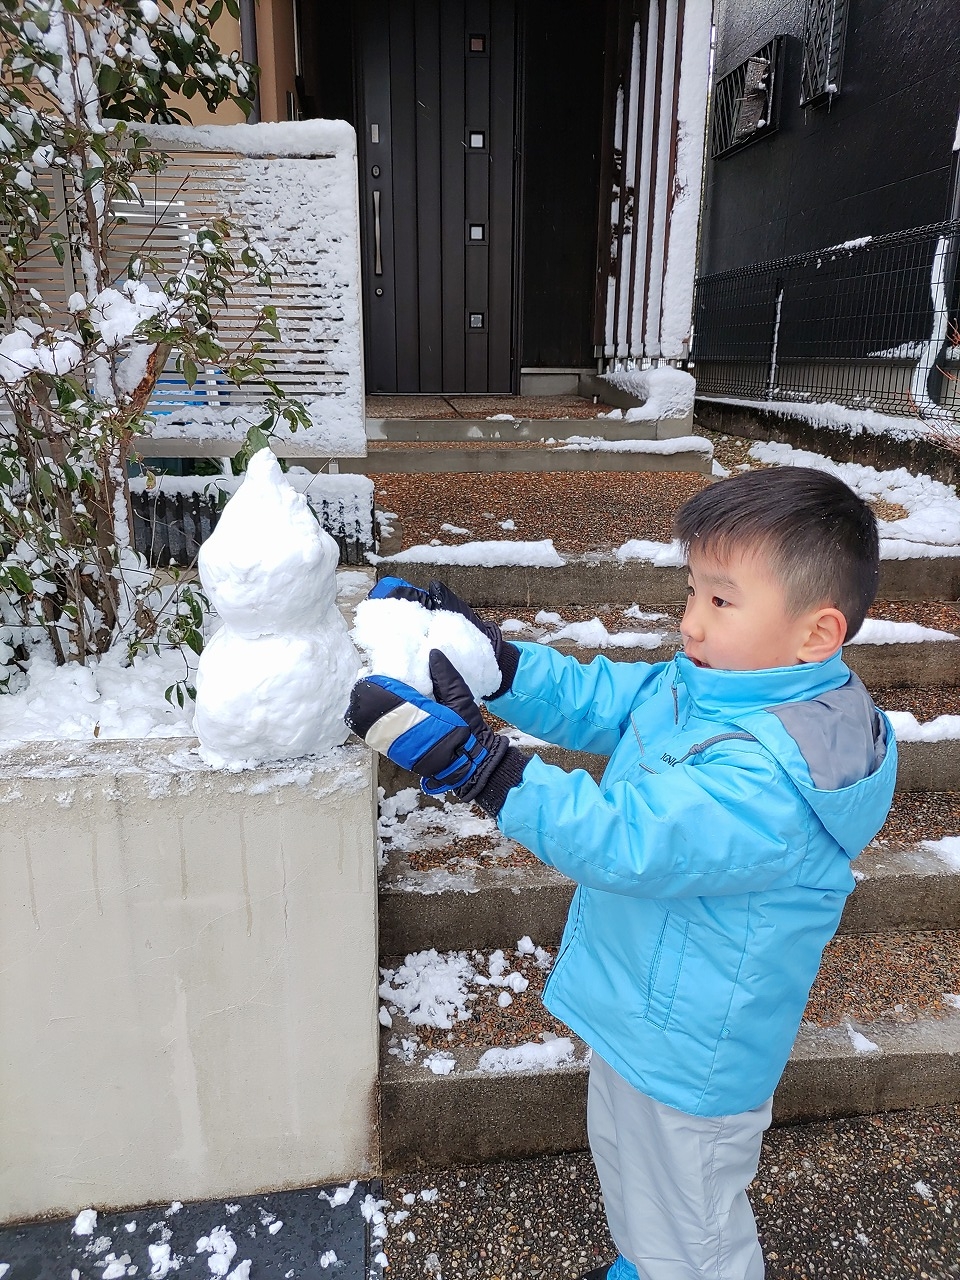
x,y
726,693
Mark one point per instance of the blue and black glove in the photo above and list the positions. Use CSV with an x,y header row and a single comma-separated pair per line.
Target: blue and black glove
x,y
445,741
439,596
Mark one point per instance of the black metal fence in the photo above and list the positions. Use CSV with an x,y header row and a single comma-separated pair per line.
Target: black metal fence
x,y
869,324
169,528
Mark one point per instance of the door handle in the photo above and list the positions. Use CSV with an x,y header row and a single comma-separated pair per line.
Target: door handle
x,y
377,258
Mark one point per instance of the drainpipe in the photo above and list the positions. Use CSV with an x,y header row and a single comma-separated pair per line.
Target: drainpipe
x,y
248,49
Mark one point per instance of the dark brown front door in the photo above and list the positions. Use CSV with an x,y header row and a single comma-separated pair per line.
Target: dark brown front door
x,y
436,134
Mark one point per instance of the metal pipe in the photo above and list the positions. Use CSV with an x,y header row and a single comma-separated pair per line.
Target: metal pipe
x,y
248,49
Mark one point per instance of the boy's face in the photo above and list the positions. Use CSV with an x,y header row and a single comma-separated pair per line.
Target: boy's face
x,y
736,617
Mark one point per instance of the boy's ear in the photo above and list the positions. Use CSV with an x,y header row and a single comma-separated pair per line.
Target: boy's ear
x,y
827,632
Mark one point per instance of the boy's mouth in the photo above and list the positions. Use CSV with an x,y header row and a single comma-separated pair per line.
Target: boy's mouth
x,y
697,662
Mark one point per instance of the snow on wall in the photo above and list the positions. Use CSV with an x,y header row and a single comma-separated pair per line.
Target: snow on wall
x,y
294,185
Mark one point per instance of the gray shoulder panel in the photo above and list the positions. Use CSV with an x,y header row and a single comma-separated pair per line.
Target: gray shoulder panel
x,y
840,735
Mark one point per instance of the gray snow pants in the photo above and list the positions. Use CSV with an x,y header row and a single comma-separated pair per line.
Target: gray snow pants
x,y
674,1185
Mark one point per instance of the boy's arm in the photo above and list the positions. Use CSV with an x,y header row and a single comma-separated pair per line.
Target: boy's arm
x,y
725,825
585,707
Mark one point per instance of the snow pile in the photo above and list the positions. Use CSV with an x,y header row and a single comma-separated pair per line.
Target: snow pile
x,y
907,728
838,417
397,636
541,554
677,444
111,698
430,989
660,553
666,393
879,631
556,1052
932,526
275,680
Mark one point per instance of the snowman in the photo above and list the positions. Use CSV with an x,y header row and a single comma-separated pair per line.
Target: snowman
x,y
275,680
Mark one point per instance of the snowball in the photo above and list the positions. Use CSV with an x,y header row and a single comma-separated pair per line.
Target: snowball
x,y
272,697
398,635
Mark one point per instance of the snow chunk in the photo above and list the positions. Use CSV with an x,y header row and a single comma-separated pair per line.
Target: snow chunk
x,y
397,636
661,553
908,729
85,1223
440,1063
430,988
342,1195
860,1042
528,1057
676,444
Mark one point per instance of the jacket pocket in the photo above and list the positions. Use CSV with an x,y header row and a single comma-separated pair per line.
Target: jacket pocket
x,y
665,969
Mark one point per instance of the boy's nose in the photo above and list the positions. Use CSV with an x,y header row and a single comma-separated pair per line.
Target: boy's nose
x,y
690,627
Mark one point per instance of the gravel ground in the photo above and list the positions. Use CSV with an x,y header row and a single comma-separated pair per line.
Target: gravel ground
x,y
580,510
872,1198
925,703
481,407
921,815
882,977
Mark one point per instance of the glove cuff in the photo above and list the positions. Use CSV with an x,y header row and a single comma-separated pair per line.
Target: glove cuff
x,y
508,659
506,774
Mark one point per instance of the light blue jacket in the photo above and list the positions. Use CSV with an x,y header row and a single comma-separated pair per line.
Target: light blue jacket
x,y
713,858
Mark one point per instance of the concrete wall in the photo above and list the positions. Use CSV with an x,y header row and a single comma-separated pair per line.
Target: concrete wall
x,y
187,976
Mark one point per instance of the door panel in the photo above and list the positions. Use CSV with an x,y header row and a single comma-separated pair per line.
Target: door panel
x,y
436,141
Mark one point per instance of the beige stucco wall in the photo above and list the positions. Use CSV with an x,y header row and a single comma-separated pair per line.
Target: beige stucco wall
x,y
187,976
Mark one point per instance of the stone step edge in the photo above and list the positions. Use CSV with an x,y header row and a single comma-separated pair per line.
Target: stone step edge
x,y
892,664
503,431
495,461
910,889
600,580
922,765
470,1116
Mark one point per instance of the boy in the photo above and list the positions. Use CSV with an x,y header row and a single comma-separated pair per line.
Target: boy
x,y
713,859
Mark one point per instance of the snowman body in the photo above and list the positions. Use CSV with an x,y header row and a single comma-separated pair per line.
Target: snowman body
x,y
275,680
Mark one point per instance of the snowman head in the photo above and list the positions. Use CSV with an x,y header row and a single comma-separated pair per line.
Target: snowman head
x,y
269,568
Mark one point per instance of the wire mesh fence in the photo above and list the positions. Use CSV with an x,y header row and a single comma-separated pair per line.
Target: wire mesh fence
x,y
168,528
868,324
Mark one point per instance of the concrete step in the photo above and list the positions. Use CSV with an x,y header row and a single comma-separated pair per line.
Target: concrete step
x,y
680,454
439,890
841,1065
879,666
520,428
922,766
598,580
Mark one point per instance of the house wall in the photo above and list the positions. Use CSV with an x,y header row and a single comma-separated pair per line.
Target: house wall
x,y
877,160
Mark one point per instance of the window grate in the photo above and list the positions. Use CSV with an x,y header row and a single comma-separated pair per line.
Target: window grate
x,y
824,29
744,106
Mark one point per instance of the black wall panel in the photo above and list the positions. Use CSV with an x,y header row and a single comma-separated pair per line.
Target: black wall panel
x,y
877,160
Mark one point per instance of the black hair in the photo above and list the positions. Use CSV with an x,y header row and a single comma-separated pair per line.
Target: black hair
x,y
819,539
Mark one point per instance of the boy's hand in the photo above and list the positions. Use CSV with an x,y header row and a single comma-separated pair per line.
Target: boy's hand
x,y
439,596
446,742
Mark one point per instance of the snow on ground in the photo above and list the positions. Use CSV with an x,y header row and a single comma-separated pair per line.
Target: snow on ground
x,y
676,444
434,989
932,526
947,849
908,729
879,631
836,416
541,554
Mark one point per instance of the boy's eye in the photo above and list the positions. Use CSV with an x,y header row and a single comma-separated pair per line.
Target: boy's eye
x,y
719,602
